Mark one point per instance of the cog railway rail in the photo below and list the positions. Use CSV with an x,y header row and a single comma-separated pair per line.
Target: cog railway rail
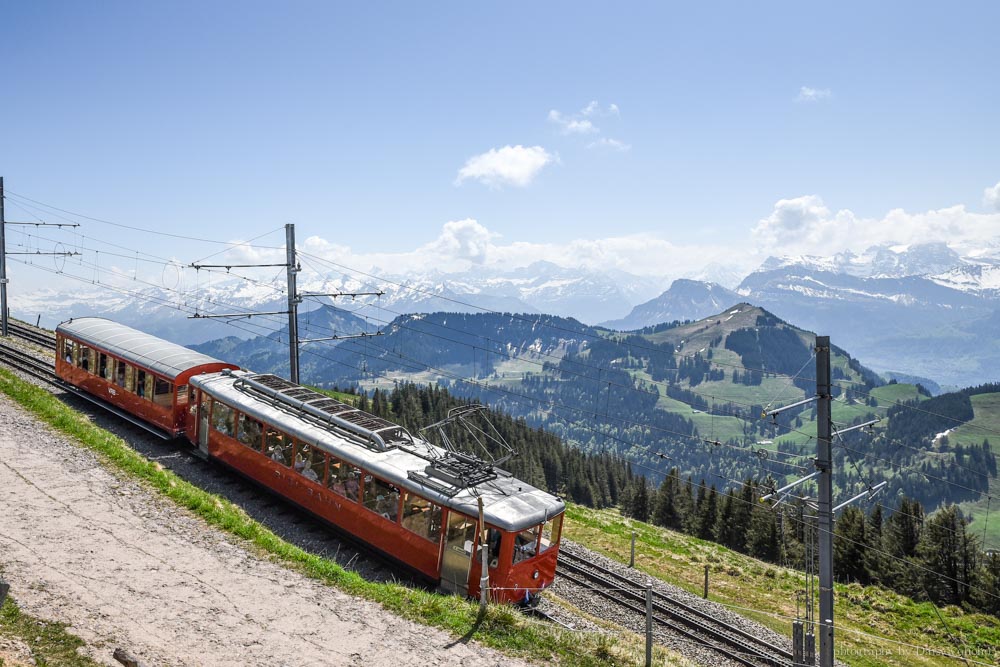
x,y
693,624
32,335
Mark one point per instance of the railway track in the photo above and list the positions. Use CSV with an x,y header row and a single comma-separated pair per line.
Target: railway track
x,y
25,363
32,335
288,521
693,624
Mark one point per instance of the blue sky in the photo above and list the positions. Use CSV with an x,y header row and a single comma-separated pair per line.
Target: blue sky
x,y
639,136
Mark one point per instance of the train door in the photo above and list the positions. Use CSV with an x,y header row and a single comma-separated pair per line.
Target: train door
x,y
203,420
459,545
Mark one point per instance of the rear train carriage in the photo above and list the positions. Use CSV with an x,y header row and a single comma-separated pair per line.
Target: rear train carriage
x,y
411,500
139,373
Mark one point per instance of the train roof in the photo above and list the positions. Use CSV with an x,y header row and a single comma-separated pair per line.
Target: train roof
x,y
142,349
509,503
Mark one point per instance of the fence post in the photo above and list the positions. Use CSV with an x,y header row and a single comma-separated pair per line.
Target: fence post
x,y
631,560
705,595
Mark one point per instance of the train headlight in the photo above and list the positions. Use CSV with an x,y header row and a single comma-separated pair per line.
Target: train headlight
x,y
534,575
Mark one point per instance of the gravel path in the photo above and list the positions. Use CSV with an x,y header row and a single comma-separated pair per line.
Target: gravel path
x,y
125,567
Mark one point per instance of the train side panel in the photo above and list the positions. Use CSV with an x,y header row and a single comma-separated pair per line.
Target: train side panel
x,y
348,515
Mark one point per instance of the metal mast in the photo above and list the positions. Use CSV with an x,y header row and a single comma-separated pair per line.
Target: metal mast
x,y
293,305
3,255
3,267
824,464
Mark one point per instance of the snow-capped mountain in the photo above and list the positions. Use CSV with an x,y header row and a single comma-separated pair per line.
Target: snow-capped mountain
x,y
685,300
543,287
923,309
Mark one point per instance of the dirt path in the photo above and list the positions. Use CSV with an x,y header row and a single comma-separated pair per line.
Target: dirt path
x,y
124,567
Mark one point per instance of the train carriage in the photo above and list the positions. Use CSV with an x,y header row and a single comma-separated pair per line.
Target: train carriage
x,y
131,370
409,499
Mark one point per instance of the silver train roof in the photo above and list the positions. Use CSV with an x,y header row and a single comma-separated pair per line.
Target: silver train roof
x,y
509,503
160,356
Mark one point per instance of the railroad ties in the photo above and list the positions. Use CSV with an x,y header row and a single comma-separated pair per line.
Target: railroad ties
x,y
693,624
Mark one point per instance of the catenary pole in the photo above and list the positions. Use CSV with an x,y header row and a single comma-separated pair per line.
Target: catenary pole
x,y
824,463
293,305
3,267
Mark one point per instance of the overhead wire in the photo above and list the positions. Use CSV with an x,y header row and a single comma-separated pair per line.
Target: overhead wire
x,y
632,388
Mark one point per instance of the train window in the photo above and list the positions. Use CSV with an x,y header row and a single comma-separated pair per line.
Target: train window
x,y
83,358
68,351
461,532
182,394
525,544
493,540
310,462
343,479
102,366
193,409
163,394
150,380
140,383
550,533
250,431
120,372
222,418
279,447
130,378
381,497
421,516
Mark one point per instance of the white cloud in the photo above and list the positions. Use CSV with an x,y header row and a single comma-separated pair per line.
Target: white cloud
x,y
807,94
510,165
799,225
461,240
571,125
580,123
991,196
805,225
612,144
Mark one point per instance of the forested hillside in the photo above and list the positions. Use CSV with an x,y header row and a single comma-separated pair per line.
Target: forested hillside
x,y
684,395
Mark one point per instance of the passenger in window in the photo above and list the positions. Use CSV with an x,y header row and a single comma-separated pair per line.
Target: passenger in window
x,y
353,487
303,468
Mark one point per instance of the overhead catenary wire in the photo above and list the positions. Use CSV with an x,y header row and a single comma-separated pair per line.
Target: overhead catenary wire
x,y
349,269
713,409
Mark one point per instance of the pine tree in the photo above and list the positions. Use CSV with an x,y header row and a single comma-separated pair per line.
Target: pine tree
x,y
874,557
949,556
708,512
664,510
849,546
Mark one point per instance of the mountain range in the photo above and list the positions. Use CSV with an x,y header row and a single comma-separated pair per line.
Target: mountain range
x,y
923,310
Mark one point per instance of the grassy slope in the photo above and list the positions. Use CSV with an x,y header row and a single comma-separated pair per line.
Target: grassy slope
x,y
49,643
743,582
984,426
501,628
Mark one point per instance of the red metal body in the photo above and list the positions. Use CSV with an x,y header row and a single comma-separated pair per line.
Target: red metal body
x,y
509,582
158,391
166,411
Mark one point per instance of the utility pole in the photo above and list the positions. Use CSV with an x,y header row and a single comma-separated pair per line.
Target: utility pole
x,y
803,638
294,299
824,464
3,267
3,255
293,305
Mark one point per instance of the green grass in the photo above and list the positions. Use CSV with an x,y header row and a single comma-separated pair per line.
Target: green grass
x,y
985,425
49,643
743,582
888,394
502,627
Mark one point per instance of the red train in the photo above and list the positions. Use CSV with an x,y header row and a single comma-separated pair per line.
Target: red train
x,y
413,501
